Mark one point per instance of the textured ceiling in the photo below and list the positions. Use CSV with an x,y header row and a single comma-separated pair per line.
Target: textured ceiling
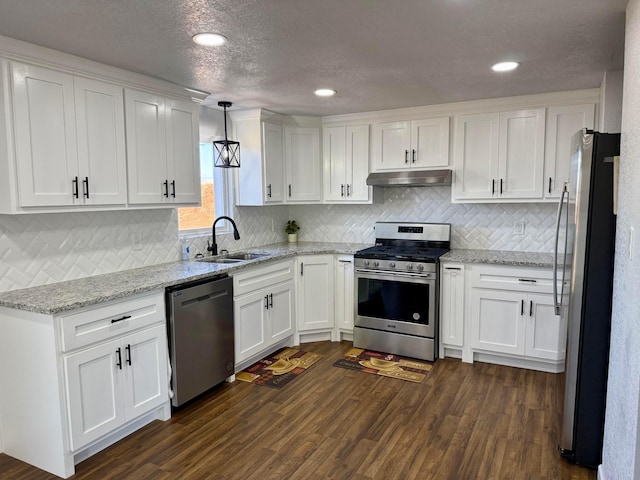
x,y
378,54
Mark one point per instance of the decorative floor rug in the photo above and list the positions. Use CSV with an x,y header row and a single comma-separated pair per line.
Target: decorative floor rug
x,y
384,364
280,368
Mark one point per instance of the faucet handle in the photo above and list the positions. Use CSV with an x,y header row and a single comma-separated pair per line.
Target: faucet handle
x,y
209,247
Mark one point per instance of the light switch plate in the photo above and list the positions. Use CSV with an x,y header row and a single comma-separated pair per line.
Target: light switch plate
x,y
518,228
137,241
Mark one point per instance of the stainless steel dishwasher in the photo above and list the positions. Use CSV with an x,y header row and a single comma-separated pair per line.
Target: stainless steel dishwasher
x,y
201,338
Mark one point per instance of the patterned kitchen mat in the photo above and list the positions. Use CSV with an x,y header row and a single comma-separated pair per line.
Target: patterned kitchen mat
x,y
384,364
279,369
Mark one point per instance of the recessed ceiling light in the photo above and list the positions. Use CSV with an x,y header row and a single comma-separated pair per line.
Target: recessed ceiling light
x,y
209,39
505,66
325,92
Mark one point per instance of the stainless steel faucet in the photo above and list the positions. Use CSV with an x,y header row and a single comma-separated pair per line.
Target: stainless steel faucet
x,y
214,248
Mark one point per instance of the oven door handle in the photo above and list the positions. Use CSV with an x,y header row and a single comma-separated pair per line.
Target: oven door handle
x,y
374,274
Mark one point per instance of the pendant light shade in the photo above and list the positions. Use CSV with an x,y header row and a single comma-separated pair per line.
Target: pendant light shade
x,y
226,152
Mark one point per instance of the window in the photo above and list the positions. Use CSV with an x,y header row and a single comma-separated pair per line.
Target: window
x,y
216,197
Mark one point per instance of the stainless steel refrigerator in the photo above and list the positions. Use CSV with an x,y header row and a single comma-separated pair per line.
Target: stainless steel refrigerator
x,y
585,241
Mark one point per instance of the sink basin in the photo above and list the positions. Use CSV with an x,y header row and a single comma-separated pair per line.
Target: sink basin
x,y
245,256
219,260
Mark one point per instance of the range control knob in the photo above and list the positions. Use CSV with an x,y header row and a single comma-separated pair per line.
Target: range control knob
x,y
409,266
392,264
376,264
420,267
366,263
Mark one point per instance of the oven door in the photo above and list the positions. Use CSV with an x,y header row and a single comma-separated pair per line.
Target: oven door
x,y
396,302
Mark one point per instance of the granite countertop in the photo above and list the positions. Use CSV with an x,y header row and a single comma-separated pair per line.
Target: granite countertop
x,y
500,257
73,294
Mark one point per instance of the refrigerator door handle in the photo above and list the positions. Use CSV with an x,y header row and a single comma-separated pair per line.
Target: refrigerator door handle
x,y
557,306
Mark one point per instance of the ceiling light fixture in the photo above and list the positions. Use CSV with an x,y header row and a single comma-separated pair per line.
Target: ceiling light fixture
x,y
325,92
505,66
209,39
226,152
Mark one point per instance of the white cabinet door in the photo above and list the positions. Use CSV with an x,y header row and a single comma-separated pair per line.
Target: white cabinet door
x,y
334,150
102,159
146,148
476,156
302,164
144,355
546,332
391,145
521,154
562,124
315,292
497,321
281,311
273,161
183,152
452,305
45,136
430,143
250,318
344,306
358,163
94,390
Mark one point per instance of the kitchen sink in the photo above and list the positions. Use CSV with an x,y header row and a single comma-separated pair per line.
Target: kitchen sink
x,y
245,256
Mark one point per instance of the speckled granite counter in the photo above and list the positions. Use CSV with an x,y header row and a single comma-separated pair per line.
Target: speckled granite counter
x,y
500,257
65,296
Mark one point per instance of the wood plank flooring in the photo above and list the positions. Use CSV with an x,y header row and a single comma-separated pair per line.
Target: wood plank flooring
x,y
463,421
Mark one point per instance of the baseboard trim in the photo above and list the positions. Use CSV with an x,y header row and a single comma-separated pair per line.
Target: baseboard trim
x,y
601,475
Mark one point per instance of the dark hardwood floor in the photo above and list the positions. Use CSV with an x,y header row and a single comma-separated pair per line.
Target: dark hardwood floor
x,y
463,422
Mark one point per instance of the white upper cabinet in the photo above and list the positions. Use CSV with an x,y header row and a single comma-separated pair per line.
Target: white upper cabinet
x,y
346,164
162,146
499,156
302,164
45,136
420,144
260,178
562,123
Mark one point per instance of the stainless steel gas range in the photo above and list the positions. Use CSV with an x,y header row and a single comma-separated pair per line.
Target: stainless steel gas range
x,y
396,289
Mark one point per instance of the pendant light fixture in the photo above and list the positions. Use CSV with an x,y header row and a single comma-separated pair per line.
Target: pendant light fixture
x,y
226,152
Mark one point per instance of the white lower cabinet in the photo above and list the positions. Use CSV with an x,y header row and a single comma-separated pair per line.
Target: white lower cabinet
x,y
264,310
501,314
87,378
115,382
344,296
451,306
315,294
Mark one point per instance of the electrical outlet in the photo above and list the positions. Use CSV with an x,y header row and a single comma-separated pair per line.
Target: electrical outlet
x,y
631,243
273,228
137,240
518,228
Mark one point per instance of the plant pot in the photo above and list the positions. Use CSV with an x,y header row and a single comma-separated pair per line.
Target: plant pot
x,y
293,237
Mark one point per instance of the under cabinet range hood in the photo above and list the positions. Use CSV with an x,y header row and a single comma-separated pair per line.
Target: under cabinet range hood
x,y
412,178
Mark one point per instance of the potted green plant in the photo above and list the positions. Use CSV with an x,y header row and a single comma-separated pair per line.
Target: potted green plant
x,y
291,228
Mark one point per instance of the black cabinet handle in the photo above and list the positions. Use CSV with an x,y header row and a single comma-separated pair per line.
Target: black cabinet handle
x,y
166,188
301,269
128,349
413,156
549,184
493,186
342,190
500,186
85,186
531,308
266,302
452,268
173,188
521,307
116,320
348,190
119,358
74,182
529,280
289,189
271,300
406,156
344,261
269,188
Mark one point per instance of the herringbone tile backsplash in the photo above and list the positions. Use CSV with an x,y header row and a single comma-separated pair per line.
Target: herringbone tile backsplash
x,y
47,248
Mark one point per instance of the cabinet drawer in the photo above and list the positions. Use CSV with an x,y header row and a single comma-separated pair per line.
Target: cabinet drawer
x,y
107,320
536,280
260,277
